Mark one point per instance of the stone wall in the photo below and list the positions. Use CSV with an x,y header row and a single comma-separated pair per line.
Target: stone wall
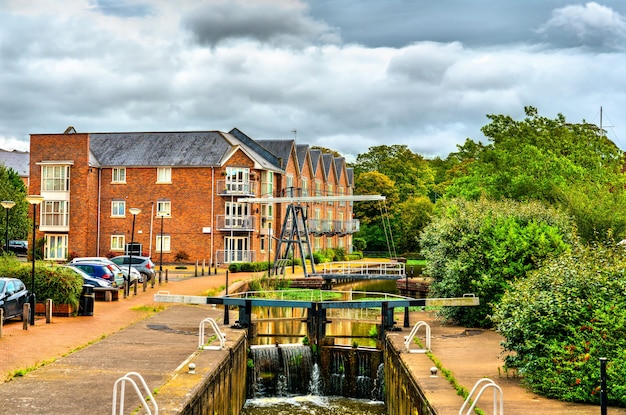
x,y
217,387
403,396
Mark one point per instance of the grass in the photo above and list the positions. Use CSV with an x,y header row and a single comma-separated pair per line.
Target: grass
x,y
421,262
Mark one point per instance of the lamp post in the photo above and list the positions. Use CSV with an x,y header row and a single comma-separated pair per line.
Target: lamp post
x,y
7,204
161,215
134,212
33,200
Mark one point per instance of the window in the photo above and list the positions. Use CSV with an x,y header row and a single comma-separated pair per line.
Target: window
x,y
318,188
267,211
164,175
55,213
117,242
56,247
268,183
164,208
118,208
305,186
166,243
263,243
341,193
289,186
330,192
236,249
329,243
55,178
118,175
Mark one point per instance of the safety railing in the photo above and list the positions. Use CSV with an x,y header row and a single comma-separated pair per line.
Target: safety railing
x,y
498,399
408,340
120,385
220,336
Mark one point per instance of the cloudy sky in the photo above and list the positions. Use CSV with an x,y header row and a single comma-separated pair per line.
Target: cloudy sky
x,y
342,74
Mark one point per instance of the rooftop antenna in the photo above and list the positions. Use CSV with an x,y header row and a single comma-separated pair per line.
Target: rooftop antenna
x,y
295,134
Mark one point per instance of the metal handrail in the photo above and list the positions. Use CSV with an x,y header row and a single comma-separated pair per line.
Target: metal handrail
x,y
489,384
121,382
220,335
409,339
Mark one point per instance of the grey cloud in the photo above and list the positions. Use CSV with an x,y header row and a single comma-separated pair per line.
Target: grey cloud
x,y
590,25
123,8
275,22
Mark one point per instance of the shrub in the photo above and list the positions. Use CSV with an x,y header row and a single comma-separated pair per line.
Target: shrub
x,y
481,246
235,267
181,256
560,320
59,284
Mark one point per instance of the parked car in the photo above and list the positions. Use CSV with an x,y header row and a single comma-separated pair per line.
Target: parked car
x,y
134,274
13,296
18,247
101,270
93,281
143,264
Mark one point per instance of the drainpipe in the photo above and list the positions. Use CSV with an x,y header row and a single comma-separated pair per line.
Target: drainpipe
x,y
212,214
151,228
99,209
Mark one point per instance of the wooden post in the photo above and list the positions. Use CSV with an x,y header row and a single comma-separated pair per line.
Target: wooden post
x,y
48,310
203,264
25,316
1,320
195,273
166,275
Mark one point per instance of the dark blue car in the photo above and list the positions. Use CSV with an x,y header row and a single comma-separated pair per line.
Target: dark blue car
x,y
13,296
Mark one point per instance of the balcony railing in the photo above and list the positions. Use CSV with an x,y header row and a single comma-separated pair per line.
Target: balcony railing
x,y
230,256
235,223
236,187
333,227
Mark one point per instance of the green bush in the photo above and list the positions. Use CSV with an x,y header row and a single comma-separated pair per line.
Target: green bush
x,y
560,320
59,284
235,267
481,246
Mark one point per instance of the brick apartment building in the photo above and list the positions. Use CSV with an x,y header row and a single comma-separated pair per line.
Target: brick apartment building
x,y
190,188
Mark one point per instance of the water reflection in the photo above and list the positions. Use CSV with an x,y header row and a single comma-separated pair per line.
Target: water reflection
x,y
312,405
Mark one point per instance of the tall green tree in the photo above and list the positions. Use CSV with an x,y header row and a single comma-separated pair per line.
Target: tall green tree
x,y
12,188
410,172
481,246
550,160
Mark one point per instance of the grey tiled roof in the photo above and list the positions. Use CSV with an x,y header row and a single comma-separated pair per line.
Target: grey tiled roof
x,y
204,148
280,148
315,159
350,175
339,163
16,160
327,159
301,151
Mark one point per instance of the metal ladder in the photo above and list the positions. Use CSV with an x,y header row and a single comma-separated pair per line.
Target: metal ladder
x,y
409,339
121,384
497,397
221,336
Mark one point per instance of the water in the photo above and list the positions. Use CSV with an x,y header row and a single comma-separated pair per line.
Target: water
x,y
312,405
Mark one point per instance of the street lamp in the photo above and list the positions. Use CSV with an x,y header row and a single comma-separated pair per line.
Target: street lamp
x,y
161,215
33,200
134,212
7,204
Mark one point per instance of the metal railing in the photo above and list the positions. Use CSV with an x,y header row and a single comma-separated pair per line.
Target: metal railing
x,y
361,268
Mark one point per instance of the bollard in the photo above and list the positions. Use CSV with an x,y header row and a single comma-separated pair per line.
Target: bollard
x,y
145,283
25,316
203,264
166,275
135,284
1,320
152,281
48,311
160,273
195,273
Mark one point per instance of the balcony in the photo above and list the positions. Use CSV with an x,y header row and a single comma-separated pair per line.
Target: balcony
x,y
230,256
236,188
235,223
333,227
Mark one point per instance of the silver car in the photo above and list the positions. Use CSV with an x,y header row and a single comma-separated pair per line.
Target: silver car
x,y
134,274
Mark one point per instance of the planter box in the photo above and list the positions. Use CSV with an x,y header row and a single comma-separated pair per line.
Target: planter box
x,y
58,310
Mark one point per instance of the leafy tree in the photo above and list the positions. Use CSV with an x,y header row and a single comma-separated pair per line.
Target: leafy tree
x,y
411,174
550,160
374,216
481,246
412,216
559,320
12,188
325,150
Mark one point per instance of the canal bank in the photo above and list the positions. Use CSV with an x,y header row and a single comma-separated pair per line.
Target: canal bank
x,y
159,348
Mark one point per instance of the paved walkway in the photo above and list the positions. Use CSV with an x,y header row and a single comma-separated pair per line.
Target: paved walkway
x,y
136,334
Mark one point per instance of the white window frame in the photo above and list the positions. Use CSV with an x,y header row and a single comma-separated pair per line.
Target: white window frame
x,y
118,175
55,178
55,214
164,208
118,242
289,186
56,247
167,243
164,175
305,186
118,209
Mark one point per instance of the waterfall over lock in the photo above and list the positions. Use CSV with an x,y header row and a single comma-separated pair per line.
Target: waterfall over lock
x,y
292,369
